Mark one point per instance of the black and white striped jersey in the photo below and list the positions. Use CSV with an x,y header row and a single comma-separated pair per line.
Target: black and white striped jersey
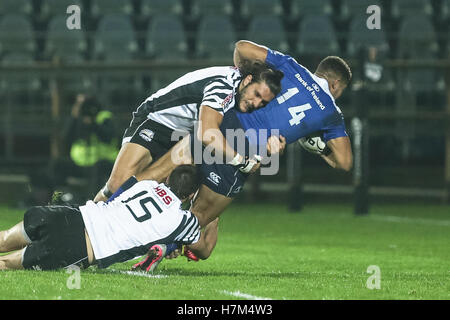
x,y
177,105
143,215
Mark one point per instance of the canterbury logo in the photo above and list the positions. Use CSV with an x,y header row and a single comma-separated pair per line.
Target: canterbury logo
x,y
214,178
146,134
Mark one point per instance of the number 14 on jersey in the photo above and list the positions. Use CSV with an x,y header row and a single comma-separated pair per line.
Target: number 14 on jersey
x,y
298,113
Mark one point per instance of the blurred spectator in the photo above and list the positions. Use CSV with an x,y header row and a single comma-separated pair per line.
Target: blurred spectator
x,y
90,133
90,148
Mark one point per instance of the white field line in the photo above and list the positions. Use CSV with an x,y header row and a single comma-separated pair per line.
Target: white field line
x,y
434,222
244,295
140,274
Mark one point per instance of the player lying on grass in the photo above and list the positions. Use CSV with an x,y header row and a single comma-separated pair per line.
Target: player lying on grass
x,y
170,113
306,105
143,216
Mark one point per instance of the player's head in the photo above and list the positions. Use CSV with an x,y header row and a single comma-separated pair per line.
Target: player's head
x,y
184,181
259,85
337,72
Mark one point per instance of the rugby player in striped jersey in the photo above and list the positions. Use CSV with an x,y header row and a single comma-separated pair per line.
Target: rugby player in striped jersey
x,y
147,214
305,105
203,95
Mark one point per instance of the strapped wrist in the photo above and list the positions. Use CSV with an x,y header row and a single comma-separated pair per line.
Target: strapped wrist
x,y
105,192
237,160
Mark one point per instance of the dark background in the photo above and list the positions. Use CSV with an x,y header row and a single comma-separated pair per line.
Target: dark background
x,y
126,50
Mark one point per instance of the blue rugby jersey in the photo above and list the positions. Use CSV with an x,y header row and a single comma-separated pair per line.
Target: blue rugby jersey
x,y
304,106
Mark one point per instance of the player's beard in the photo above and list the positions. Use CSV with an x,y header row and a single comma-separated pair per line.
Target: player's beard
x,y
241,94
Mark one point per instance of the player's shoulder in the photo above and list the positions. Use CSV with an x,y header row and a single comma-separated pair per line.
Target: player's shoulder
x,y
146,183
225,76
165,196
339,110
220,70
280,56
210,74
140,187
323,85
191,218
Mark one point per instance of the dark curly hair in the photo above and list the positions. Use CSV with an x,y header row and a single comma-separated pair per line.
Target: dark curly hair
x,y
262,72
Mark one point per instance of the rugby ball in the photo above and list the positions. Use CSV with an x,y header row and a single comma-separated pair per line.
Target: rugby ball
x,y
313,144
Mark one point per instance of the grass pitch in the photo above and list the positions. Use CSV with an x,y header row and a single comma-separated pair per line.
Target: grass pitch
x,y
266,252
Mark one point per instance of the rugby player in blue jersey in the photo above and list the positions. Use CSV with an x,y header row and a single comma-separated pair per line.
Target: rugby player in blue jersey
x,y
305,105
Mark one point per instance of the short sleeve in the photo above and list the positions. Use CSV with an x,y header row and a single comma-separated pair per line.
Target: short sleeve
x,y
276,58
218,95
334,131
189,233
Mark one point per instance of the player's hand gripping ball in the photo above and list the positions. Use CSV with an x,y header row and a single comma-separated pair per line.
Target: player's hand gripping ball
x,y
313,144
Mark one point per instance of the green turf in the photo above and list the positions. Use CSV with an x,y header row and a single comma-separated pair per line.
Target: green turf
x,y
264,251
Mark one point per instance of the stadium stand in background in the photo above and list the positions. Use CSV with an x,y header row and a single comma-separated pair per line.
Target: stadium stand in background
x,y
185,32
288,18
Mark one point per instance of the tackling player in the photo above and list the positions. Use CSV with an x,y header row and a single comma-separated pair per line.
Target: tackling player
x,y
145,215
305,105
204,95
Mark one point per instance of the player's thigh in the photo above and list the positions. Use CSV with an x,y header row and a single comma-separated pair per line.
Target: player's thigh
x,y
159,170
12,261
220,184
132,158
144,141
13,238
208,205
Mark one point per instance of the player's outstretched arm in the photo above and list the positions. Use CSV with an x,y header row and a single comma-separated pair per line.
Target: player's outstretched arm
x,y
341,156
210,135
247,50
208,239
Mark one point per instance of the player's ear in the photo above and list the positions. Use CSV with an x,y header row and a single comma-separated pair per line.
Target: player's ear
x,y
334,85
247,80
